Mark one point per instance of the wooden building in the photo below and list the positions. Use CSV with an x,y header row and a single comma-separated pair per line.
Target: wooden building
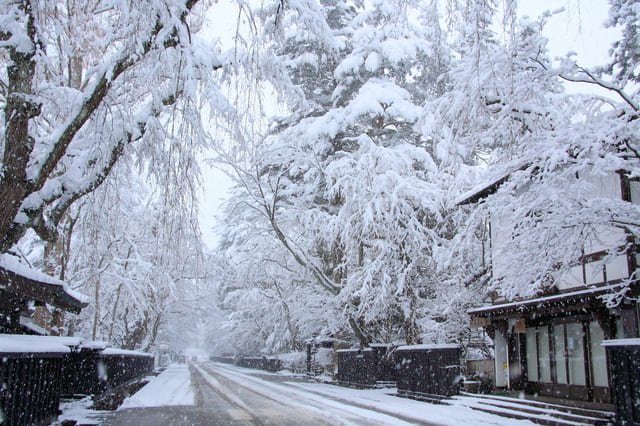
x,y
551,344
22,289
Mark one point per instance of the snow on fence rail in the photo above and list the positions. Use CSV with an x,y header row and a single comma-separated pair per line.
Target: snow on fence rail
x,y
36,370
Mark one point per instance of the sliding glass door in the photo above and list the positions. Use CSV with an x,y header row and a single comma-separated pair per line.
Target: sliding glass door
x,y
566,357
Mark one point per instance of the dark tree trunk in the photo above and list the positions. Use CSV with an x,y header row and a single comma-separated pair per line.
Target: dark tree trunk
x,y
19,109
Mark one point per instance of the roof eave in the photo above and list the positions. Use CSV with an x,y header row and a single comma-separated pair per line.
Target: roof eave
x,y
52,294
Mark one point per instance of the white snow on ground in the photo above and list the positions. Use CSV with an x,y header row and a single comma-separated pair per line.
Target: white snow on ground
x,y
331,410
170,388
334,401
80,410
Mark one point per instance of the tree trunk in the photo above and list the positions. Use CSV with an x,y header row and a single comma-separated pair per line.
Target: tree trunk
x,y
14,186
96,315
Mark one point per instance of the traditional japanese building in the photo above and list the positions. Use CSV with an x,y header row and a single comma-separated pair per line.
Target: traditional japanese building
x,y
551,344
22,289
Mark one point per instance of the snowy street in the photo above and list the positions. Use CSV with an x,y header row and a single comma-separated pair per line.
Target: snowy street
x,y
230,395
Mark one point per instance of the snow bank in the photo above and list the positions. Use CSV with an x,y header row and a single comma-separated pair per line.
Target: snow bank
x,y
293,361
171,388
80,411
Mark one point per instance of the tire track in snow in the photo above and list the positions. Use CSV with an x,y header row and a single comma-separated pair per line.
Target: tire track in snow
x,y
348,412
242,412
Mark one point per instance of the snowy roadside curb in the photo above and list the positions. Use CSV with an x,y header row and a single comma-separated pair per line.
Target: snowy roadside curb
x,y
172,387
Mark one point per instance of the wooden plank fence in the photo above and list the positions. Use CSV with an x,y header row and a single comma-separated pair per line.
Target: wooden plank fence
x,y
429,372
624,362
29,387
259,363
35,371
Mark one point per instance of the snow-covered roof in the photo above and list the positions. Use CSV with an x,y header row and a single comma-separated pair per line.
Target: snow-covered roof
x,y
621,342
13,263
20,278
488,187
428,346
115,351
15,343
522,305
480,191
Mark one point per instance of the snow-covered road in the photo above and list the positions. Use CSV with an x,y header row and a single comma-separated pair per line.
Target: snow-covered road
x,y
230,395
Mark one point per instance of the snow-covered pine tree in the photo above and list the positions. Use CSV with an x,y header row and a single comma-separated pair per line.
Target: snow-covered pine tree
x,y
352,191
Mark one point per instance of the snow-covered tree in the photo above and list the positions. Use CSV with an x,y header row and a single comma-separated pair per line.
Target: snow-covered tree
x,y
138,254
547,151
346,183
80,85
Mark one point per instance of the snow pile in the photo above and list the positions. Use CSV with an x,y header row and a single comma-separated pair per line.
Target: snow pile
x,y
80,411
293,361
171,388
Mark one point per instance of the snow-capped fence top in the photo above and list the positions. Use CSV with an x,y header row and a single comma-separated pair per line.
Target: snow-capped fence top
x,y
16,344
354,350
124,352
36,370
622,343
428,346
29,344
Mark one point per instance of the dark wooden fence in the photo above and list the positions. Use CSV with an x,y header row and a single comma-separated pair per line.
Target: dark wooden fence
x,y
356,367
35,371
222,359
259,363
366,367
118,367
624,362
80,374
94,371
386,365
29,387
268,364
428,371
